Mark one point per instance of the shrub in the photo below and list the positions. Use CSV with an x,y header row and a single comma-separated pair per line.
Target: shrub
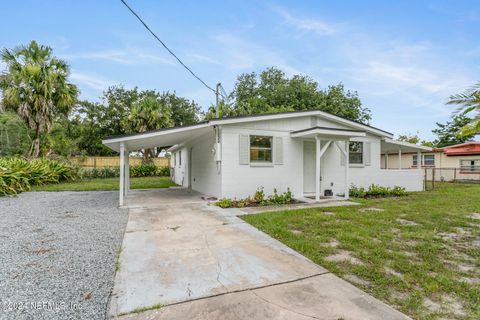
x,y
107,172
376,191
143,170
259,195
357,192
18,174
163,171
258,199
399,191
224,203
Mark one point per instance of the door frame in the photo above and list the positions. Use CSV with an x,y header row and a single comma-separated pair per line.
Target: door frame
x,y
312,174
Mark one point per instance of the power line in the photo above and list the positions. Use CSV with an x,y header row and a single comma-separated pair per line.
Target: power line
x,y
168,49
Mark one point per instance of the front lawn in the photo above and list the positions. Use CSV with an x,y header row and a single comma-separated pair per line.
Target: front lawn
x,y
419,253
107,184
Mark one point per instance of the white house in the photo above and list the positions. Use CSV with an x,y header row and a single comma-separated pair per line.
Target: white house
x,y
309,152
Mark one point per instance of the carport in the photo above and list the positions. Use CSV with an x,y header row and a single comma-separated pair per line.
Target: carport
x,y
390,146
159,138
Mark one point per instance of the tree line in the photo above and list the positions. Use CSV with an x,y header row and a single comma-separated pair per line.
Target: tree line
x,y
41,113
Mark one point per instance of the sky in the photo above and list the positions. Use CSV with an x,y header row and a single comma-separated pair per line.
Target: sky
x,y
404,57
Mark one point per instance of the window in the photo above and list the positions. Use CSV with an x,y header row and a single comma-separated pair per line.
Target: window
x,y
427,160
470,165
179,158
260,149
356,153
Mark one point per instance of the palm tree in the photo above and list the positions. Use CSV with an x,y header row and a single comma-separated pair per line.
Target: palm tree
x,y
149,113
469,102
35,86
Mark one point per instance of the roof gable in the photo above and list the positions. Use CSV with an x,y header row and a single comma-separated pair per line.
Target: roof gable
x,y
296,114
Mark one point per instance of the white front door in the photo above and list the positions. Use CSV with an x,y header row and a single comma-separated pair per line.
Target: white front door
x,y
309,166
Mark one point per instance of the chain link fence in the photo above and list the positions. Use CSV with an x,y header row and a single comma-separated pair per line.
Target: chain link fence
x,y
470,174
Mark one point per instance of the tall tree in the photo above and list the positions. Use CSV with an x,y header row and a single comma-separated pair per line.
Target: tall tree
x,y
469,102
36,87
14,135
415,139
448,133
149,113
271,91
93,122
183,111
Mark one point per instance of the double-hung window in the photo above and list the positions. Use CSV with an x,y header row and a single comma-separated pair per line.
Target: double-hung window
x,y
261,149
356,152
470,165
428,160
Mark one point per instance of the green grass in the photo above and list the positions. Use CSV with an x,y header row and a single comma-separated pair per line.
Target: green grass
x,y
117,261
107,184
422,248
142,309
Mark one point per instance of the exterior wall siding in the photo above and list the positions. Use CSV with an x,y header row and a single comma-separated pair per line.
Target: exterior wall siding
x,y
231,179
242,180
333,173
206,176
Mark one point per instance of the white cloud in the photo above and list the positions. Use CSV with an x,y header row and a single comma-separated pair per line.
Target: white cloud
x,y
129,56
242,55
118,56
202,58
409,72
91,81
313,25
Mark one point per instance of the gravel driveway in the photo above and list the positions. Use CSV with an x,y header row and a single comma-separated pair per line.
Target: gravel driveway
x,y
58,253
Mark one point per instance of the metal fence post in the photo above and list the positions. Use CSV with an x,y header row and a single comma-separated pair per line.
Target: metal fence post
x,y
425,180
433,178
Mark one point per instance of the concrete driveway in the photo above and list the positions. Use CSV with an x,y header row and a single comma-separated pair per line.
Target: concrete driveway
x,y
203,262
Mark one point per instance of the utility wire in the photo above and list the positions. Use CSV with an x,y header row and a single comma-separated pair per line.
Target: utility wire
x,y
168,49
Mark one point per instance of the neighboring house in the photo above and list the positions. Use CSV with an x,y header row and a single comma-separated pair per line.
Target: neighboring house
x,y
464,156
311,153
457,162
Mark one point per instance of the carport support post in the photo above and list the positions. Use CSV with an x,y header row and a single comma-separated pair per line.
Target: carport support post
x,y
127,172
122,173
399,158
347,170
317,169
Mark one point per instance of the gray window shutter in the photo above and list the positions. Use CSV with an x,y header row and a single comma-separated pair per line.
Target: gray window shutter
x,y
342,156
367,153
244,149
278,150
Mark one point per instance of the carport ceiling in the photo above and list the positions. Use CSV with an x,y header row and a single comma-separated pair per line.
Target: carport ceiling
x,y
161,138
392,146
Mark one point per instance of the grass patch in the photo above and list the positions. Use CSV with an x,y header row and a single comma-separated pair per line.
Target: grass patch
x,y
420,253
142,309
107,184
117,261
